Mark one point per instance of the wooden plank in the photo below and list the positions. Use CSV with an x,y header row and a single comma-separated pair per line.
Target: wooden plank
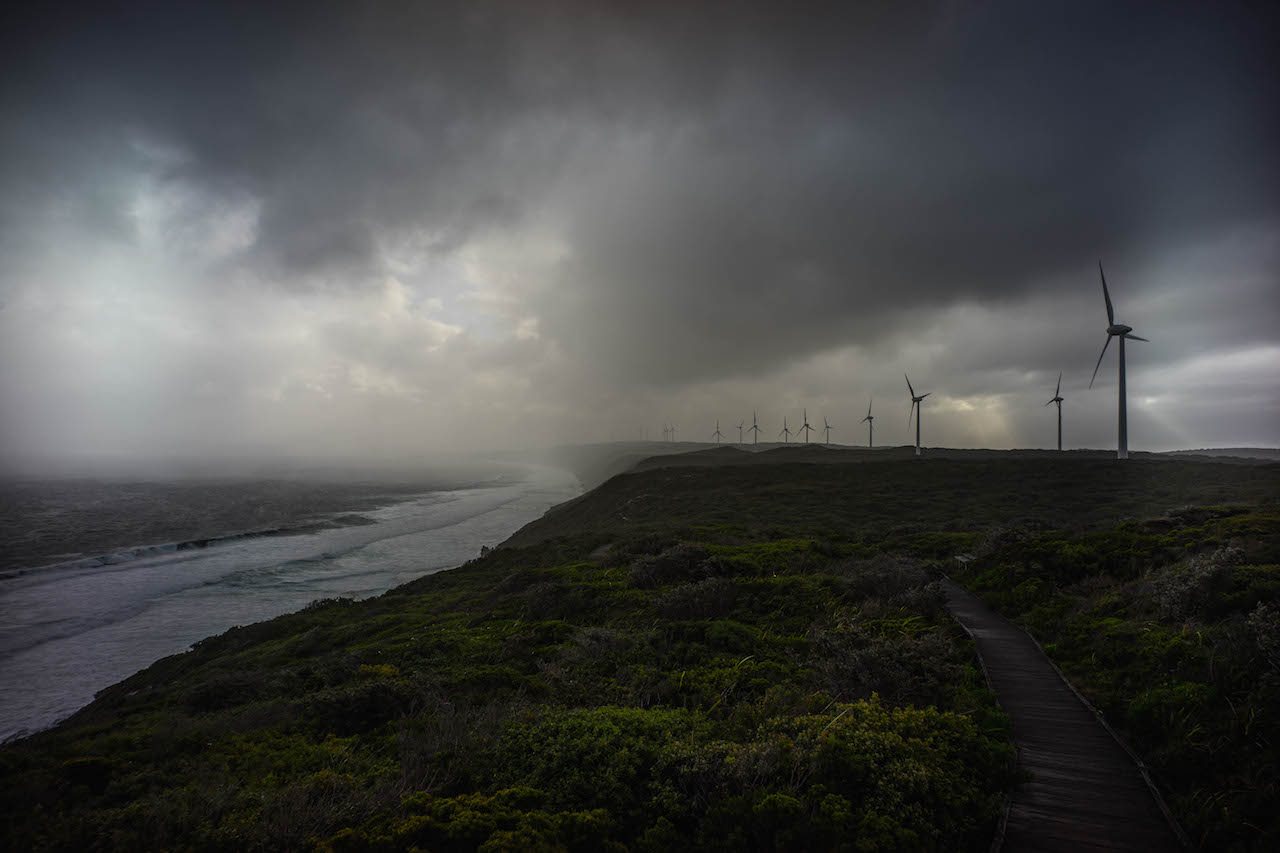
x,y
1085,792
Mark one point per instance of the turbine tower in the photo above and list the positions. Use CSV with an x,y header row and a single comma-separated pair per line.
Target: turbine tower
x,y
806,429
673,432
915,407
755,428
869,420
786,433
741,424
1057,398
1121,331
826,427
717,434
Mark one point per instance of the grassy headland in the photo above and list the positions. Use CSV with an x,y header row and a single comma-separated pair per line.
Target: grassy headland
x,y
738,656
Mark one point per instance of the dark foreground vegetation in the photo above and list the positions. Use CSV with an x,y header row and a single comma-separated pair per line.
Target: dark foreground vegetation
x,y
1171,627
706,658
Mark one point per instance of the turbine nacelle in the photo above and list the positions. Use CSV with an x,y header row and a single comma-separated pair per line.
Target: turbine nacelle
x,y
1123,332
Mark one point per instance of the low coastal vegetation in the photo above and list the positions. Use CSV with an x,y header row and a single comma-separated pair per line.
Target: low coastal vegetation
x,y
703,658
662,696
1170,626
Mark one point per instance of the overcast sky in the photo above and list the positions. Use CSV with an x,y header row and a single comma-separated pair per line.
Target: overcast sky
x,y
388,229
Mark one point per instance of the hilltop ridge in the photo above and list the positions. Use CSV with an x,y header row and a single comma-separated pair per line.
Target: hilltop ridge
x,y
593,464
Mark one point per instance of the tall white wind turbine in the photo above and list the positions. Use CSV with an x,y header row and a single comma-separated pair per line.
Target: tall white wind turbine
x,y
826,427
755,428
1057,398
717,435
786,433
915,408
869,420
741,424
806,429
1121,331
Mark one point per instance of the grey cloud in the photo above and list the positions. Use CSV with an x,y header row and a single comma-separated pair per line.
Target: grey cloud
x,y
737,187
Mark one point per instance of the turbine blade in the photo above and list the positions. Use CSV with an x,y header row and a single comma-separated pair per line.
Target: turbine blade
x,y
1050,403
1136,338
1111,314
909,388
922,396
1099,364
1058,390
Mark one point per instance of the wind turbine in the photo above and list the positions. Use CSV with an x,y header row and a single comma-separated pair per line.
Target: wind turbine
x,y
826,427
869,420
673,432
741,424
806,429
1121,331
1057,398
786,433
665,433
915,407
717,434
755,428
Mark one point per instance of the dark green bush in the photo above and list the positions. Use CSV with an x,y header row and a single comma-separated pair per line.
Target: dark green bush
x,y
680,563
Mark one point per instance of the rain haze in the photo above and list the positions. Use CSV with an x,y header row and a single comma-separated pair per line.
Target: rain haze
x,y
379,231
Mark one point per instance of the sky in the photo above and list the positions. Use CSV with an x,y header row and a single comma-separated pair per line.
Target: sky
x,y
396,230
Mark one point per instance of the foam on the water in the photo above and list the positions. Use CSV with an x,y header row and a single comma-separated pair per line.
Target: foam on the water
x,y
67,633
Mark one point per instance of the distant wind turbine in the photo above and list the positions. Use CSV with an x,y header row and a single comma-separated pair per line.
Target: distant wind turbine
x,y
717,434
916,408
826,427
673,432
755,428
1121,331
869,420
806,429
786,433
1057,398
741,424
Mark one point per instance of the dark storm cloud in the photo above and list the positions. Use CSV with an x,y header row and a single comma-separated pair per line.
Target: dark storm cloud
x,y
729,188
1003,151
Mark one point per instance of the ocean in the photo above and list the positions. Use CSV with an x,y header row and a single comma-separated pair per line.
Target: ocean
x,y
101,578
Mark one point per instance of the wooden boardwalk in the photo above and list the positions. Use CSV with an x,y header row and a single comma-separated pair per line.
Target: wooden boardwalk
x,y
1085,792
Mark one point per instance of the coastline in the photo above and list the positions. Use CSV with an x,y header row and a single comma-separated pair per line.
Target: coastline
x,y
73,632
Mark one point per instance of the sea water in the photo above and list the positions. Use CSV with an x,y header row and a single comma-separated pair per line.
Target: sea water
x,y
85,621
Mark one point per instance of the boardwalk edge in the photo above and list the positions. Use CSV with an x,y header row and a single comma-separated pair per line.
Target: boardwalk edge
x,y
1145,772
997,841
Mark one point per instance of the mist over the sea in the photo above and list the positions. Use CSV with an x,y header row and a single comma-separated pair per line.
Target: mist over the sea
x,y
103,576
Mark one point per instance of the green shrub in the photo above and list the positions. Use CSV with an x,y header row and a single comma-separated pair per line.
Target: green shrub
x,y
683,562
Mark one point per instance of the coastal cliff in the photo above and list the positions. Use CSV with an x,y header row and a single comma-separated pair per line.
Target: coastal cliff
x,y
705,656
